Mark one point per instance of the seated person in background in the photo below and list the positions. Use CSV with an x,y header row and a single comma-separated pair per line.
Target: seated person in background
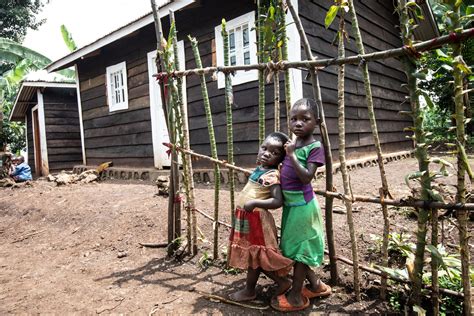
x,y
22,171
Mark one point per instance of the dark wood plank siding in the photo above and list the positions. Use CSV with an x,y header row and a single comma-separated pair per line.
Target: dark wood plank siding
x,y
30,141
200,23
63,136
124,136
379,32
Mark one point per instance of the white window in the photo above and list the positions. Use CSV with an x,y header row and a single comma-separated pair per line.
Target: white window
x,y
242,48
117,93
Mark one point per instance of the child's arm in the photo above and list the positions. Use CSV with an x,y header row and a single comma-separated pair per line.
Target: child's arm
x,y
274,202
305,174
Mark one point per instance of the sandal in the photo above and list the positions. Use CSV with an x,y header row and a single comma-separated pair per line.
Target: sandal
x,y
310,294
285,306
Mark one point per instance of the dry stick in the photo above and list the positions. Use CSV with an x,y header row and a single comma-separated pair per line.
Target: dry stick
x,y
378,272
375,134
210,217
225,300
357,59
217,161
342,155
326,144
421,154
191,233
462,216
159,65
229,101
261,76
212,141
409,202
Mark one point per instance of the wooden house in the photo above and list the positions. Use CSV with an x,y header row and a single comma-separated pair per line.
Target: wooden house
x,y
122,119
48,105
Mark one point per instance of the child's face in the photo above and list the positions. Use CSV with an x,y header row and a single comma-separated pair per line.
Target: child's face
x,y
271,152
302,121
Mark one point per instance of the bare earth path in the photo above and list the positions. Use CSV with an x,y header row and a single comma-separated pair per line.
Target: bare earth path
x,y
75,249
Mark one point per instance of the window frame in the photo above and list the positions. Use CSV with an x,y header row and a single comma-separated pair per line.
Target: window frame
x,y
109,71
240,77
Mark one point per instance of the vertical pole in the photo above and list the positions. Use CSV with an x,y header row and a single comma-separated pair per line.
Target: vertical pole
x,y
342,155
173,174
326,144
375,134
261,76
229,100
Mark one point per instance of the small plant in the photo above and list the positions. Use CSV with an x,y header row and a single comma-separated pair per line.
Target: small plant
x,y
395,302
205,261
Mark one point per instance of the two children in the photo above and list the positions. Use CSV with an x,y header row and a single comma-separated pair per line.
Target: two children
x,y
302,236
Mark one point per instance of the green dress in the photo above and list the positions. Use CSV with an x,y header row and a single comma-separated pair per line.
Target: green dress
x,y
302,233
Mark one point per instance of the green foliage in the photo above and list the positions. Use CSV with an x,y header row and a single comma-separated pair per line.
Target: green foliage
x,y
272,21
68,40
333,10
18,16
205,260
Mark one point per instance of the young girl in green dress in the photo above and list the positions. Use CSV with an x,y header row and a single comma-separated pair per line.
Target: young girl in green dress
x,y
253,238
302,235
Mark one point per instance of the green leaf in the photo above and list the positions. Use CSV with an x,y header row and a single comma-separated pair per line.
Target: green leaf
x,y
68,40
331,15
440,53
470,10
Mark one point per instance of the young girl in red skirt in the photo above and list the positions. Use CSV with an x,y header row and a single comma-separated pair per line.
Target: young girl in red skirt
x,y
253,239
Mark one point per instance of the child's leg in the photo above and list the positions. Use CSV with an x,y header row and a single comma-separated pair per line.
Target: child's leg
x,y
283,282
315,284
294,295
247,293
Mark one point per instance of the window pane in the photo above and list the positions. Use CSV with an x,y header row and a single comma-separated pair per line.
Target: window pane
x,y
247,58
231,40
245,36
233,60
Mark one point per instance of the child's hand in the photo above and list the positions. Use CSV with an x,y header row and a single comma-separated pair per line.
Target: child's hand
x,y
290,147
249,206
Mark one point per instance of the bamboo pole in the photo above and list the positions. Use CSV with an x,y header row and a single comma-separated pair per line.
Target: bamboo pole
x,y
373,125
177,94
421,153
326,143
462,216
434,263
229,100
276,88
261,75
286,72
191,232
212,141
317,63
342,155
173,174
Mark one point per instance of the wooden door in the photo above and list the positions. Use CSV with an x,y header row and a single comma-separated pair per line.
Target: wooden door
x,y
37,144
158,120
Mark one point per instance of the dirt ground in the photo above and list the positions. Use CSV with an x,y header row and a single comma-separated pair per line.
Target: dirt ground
x,y
75,249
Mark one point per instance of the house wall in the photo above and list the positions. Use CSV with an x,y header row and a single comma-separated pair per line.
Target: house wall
x,y
377,22
31,146
62,129
125,136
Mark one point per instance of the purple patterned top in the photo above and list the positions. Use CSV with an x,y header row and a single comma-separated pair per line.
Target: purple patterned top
x,y
313,153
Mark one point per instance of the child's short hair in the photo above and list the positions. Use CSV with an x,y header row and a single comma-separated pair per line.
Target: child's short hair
x,y
280,136
311,104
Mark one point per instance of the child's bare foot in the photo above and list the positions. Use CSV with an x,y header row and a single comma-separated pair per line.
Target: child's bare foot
x,y
283,286
243,295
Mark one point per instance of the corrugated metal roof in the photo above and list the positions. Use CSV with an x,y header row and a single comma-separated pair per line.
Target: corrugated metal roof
x,y
27,94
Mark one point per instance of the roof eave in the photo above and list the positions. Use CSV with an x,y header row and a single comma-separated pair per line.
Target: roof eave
x,y
19,107
70,60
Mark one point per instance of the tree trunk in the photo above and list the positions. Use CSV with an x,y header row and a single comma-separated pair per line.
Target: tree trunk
x,y
261,77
